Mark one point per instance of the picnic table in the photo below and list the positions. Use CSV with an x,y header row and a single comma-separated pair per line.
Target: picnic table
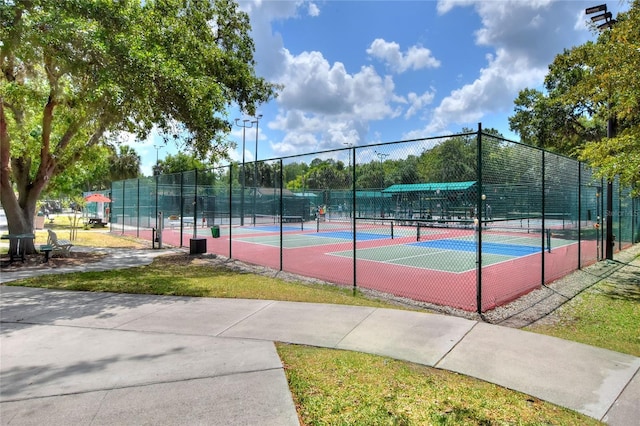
x,y
19,241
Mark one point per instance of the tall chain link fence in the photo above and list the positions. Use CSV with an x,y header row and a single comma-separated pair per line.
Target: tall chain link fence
x,y
471,221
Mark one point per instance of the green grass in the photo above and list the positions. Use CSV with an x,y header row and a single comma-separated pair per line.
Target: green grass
x,y
168,276
607,316
332,387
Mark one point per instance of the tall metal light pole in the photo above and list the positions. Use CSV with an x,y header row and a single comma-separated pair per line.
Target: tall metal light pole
x,y
381,156
156,172
349,145
255,169
611,131
352,180
244,128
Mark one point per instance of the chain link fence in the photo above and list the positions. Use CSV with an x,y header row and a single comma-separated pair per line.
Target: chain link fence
x,y
472,221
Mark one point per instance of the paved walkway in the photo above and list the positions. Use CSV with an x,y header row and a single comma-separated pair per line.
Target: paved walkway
x,y
76,358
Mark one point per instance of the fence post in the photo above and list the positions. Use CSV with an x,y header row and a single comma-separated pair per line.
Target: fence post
x,y
137,209
281,212
478,222
353,215
230,208
181,208
195,204
543,211
579,215
156,213
124,183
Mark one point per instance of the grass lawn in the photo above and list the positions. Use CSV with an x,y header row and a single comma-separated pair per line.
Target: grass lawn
x,y
342,387
607,315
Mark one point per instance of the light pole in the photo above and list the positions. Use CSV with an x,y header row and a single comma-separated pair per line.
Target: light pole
x,y
255,169
156,172
349,145
381,156
244,128
611,130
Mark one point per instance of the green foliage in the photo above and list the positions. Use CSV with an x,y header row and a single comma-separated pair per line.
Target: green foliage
x,y
179,163
586,87
124,164
436,165
75,71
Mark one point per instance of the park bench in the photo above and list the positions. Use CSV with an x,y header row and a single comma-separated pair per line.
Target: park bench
x,y
58,245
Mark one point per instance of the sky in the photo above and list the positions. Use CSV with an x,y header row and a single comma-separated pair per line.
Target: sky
x,y
356,73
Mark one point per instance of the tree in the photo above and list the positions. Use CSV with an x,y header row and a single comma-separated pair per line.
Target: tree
x,y
77,72
179,163
437,165
615,85
586,87
89,174
125,164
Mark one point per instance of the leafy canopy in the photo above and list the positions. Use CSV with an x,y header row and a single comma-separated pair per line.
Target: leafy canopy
x,y
77,72
587,88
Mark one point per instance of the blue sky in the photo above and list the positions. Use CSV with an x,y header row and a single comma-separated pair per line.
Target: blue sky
x,y
363,72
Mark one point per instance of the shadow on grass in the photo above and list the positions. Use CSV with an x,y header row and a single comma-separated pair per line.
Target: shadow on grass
x,y
623,285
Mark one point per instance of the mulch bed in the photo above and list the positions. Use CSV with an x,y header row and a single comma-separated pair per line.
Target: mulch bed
x,y
37,261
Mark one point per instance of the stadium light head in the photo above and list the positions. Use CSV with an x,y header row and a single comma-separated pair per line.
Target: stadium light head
x,y
600,8
608,24
597,18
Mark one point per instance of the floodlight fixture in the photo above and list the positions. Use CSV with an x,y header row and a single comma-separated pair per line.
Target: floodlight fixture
x,y
606,25
597,18
594,9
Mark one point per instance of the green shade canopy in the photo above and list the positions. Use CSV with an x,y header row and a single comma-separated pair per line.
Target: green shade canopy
x,y
431,187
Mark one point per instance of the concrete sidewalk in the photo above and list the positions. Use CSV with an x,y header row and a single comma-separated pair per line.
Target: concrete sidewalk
x,y
104,358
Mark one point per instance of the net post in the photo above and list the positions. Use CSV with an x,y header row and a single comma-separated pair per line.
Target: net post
x,y
548,231
392,229
418,231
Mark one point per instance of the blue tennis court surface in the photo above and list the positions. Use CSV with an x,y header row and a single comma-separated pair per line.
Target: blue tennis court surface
x,y
515,250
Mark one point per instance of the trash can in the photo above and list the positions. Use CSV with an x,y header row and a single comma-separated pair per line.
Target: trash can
x,y
215,231
197,245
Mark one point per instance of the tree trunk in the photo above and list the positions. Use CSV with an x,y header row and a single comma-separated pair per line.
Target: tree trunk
x,y
20,215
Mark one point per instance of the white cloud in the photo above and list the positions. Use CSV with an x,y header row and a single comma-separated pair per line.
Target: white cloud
x,y
418,102
445,6
323,106
269,53
494,90
314,10
526,37
414,58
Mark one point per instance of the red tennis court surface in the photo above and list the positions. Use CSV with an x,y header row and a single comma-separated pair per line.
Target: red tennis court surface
x,y
442,276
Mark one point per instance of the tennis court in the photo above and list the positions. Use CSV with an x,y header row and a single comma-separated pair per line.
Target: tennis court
x,y
450,250
393,221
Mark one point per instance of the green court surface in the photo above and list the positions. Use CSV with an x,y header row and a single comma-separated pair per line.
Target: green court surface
x,y
424,258
455,255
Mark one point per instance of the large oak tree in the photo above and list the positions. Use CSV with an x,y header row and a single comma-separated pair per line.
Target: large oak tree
x,y
75,72
587,87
